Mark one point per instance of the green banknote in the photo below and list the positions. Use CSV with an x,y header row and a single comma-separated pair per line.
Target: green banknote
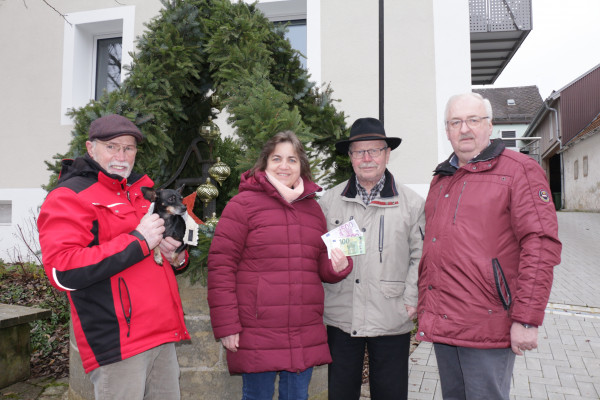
x,y
352,246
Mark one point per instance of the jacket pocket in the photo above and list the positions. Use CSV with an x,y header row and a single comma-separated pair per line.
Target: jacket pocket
x,y
501,285
125,299
392,288
333,221
115,219
333,288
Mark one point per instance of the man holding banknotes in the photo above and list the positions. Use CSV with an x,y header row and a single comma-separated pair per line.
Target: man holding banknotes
x,y
381,223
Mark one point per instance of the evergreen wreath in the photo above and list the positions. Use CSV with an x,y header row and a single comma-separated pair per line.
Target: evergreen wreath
x,y
192,50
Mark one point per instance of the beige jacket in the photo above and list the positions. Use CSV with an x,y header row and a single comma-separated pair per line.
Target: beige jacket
x,y
371,300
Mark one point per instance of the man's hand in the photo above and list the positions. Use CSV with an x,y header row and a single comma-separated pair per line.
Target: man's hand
x,y
522,338
411,311
231,342
167,247
151,227
338,260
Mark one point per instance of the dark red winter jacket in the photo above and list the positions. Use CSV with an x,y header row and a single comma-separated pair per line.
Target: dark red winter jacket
x,y
265,268
491,244
122,302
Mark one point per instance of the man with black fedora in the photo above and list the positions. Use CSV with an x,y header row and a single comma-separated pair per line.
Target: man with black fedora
x,y
97,239
375,305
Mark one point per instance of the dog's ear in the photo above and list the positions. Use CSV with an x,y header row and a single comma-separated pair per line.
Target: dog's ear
x,y
180,190
149,193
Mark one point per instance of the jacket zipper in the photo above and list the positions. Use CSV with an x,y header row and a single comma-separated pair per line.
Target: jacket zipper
x,y
126,314
381,238
300,198
458,202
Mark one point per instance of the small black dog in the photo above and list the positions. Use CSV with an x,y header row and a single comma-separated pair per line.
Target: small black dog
x,y
169,206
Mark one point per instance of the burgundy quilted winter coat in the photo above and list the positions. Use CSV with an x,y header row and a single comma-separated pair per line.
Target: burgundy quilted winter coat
x,y
265,268
487,223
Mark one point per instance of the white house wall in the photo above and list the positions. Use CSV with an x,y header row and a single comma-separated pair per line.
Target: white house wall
x,y
33,129
583,193
21,234
427,60
518,128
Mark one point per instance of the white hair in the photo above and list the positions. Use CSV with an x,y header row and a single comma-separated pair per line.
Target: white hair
x,y
477,96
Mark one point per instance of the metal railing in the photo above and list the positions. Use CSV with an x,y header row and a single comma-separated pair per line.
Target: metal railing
x,y
531,147
499,15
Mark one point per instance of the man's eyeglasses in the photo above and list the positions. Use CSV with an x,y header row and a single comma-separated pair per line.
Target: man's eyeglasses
x,y
473,122
113,148
374,153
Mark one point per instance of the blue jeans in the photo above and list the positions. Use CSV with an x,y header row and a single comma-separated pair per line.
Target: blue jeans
x,y
261,385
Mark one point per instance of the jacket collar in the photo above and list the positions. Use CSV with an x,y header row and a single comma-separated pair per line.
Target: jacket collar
x,y
86,166
389,188
258,182
495,148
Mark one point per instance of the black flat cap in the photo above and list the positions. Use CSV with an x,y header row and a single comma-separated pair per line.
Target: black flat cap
x,y
367,129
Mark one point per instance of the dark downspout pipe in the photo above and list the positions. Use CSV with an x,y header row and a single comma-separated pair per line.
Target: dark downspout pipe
x,y
562,168
381,59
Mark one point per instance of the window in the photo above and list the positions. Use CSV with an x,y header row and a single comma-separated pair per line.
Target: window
x,y
509,134
296,34
510,102
585,166
93,42
108,65
5,211
292,13
576,169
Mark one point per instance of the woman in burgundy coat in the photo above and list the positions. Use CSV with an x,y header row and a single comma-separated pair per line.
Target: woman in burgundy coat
x,y
265,268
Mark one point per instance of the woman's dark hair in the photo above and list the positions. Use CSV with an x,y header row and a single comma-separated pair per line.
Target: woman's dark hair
x,y
269,148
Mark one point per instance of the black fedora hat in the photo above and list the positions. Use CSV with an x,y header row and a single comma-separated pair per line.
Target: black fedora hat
x,y
366,129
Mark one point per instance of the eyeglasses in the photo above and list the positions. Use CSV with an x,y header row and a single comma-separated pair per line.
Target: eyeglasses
x,y
473,122
113,148
374,153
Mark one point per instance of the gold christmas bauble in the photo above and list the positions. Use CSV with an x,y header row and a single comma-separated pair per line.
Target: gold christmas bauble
x,y
219,171
212,221
207,192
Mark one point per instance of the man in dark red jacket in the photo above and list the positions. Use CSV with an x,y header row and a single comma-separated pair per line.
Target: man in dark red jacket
x,y
491,243
97,239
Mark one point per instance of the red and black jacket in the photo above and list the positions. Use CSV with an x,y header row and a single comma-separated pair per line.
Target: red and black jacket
x,y
122,302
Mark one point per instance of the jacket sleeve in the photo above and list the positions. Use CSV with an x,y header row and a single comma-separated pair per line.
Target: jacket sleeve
x,y
326,271
535,226
223,259
72,256
415,243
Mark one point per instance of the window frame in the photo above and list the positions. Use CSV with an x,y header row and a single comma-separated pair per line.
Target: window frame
x,y
80,33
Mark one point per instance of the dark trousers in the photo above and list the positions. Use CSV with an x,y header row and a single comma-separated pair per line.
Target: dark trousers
x,y
388,365
472,374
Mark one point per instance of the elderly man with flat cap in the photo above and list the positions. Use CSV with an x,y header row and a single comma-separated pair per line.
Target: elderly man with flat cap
x,y
375,305
97,241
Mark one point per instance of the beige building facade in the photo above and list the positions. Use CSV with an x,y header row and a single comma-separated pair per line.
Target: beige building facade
x,y
582,174
50,67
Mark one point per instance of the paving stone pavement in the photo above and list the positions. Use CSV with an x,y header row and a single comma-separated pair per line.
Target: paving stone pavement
x,y
566,364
